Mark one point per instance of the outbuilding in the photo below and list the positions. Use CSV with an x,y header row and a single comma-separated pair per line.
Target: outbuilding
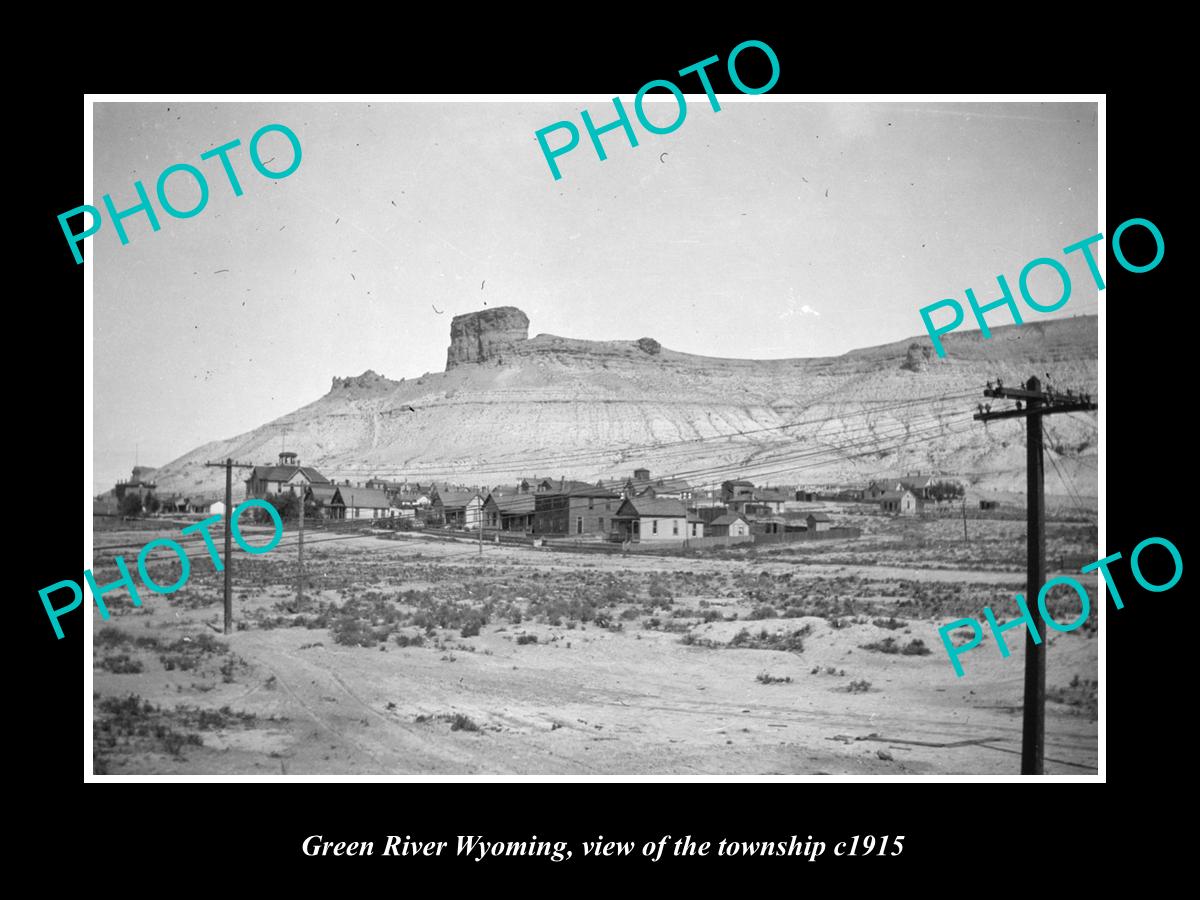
x,y
818,521
729,525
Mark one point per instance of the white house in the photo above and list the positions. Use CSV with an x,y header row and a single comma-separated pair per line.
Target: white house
x,y
729,525
643,519
903,503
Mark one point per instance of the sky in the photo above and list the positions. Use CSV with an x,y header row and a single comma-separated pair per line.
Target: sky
x,y
765,230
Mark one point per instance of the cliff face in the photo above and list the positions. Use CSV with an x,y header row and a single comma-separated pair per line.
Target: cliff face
x,y
561,406
480,336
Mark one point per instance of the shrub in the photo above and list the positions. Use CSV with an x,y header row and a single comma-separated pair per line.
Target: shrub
x,y
120,664
915,647
415,640
527,639
766,611
351,631
891,624
459,722
764,678
791,642
887,645
858,687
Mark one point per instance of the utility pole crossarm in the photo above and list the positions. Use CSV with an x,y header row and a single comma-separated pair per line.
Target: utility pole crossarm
x,y
1048,409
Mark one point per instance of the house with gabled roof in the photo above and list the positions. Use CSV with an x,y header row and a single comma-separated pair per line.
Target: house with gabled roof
x,y
362,502
645,519
509,512
457,509
818,521
729,525
287,476
899,503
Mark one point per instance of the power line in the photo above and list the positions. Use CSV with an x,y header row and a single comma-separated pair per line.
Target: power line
x,y
498,463
573,460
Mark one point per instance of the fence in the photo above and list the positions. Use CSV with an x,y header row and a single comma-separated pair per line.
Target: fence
x,y
788,537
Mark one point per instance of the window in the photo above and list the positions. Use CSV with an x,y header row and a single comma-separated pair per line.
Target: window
x,y
591,503
674,526
601,527
579,525
654,526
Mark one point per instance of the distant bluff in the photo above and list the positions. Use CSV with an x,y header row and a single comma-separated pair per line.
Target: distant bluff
x,y
481,336
510,406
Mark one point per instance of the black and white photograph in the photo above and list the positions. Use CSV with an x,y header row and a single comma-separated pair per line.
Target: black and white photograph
x,y
468,437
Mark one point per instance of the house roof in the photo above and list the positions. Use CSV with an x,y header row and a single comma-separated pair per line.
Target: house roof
x,y
456,498
519,505
583,489
692,517
364,498
323,493
820,517
772,495
738,483
919,481
286,473
646,506
728,519
894,495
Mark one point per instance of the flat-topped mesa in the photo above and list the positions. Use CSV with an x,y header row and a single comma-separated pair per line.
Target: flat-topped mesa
x,y
480,336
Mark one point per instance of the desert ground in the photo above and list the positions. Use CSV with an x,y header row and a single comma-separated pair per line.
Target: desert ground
x,y
415,654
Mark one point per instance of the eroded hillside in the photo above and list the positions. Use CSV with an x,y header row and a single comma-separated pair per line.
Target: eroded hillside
x,y
509,405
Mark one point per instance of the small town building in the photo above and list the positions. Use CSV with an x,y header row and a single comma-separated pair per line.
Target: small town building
x,y
899,503
327,501
818,521
450,508
511,512
771,500
876,489
644,519
287,476
920,485
361,502
576,508
729,525
142,484
736,494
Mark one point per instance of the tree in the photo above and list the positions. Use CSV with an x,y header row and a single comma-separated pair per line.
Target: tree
x,y
131,504
153,504
288,507
946,490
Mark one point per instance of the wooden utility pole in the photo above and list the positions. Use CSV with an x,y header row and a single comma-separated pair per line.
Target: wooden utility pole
x,y
1038,403
228,465
964,512
300,554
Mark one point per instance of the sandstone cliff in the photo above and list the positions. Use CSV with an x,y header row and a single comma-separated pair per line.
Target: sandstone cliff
x,y
482,336
509,405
